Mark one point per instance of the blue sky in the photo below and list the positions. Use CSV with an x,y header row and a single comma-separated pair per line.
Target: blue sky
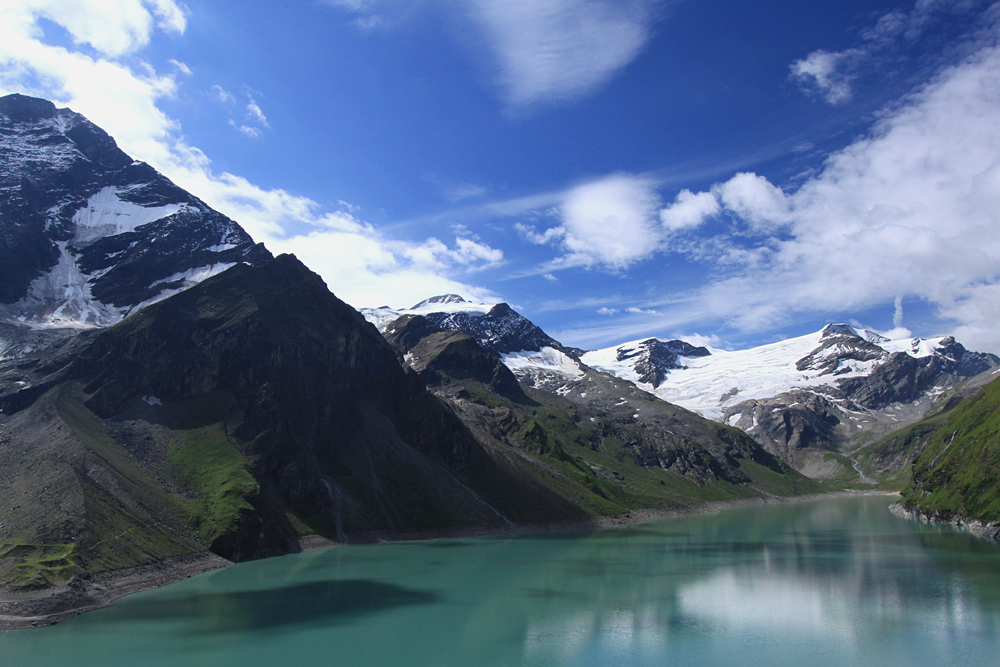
x,y
727,171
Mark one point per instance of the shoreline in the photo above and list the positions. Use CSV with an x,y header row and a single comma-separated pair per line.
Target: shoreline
x,y
39,608
981,529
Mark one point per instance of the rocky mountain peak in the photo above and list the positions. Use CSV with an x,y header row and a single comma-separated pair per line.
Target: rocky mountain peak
x,y
24,109
654,358
87,234
838,329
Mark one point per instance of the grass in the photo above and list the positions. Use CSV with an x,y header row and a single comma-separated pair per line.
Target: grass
x,y
958,473
130,523
37,565
597,473
207,462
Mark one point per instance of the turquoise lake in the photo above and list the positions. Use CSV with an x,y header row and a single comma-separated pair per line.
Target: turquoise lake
x,y
831,582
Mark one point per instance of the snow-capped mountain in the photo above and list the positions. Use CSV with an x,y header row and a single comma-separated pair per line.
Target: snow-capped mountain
x,y
535,357
821,390
87,234
805,399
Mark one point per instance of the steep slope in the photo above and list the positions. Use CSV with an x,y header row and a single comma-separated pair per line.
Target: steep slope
x,y
957,476
890,458
808,398
87,234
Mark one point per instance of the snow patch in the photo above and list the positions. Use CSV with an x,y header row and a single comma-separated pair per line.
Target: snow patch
x,y
61,298
381,317
107,215
151,400
548,360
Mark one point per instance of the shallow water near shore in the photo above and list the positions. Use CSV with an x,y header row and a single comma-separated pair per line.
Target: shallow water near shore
x,y
837,581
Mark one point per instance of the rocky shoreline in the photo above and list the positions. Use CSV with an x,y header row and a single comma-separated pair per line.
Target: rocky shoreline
x,y
37,608
984,529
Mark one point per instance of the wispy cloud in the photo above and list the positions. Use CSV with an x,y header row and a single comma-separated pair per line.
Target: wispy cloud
x,y
254,113
832,74
544,51
555,50
251,122
110,84
220,94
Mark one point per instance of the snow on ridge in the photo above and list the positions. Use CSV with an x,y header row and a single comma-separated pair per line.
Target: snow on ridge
x,y
708,385
106,214
382,317
425,308
28,145
194,275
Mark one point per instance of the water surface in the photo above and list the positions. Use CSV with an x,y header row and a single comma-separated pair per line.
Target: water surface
x,y
832,582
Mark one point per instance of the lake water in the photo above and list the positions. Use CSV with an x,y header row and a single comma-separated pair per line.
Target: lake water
x,y
833,582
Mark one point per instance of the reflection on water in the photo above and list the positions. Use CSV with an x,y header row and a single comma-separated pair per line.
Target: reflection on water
x,y
831,582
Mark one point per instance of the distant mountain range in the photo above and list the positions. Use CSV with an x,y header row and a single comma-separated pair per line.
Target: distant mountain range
x,y
809,400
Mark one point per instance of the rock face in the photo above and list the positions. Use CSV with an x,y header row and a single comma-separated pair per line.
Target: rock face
x,y
87,234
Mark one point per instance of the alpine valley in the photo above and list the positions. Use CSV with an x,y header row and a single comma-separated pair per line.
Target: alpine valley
x,y
173,398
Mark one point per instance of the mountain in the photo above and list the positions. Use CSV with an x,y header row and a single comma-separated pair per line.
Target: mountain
x,y
535,357
599,441
608,418
807,399
957,475
87,234
890,458
235,416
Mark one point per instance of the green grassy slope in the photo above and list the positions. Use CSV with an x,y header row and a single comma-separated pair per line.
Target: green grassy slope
x,y
958,473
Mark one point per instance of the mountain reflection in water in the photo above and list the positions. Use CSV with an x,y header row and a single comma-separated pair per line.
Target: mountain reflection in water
x,y
838,582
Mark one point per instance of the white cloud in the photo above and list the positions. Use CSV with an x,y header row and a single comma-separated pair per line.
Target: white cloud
x,y
612,222
826,72
120,92
114,28
607,312
911,210
754,198
689,210
551,50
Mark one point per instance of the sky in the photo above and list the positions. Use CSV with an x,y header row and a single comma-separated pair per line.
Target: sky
x,y
727,172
